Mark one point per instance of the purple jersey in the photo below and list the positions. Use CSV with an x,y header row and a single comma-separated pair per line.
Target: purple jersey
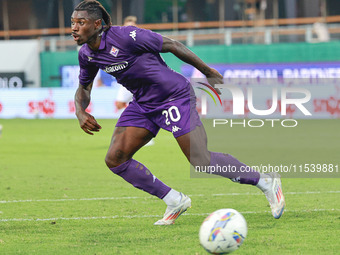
x,y
131,55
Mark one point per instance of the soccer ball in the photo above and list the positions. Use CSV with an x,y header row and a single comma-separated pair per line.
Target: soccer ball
x,y
223,231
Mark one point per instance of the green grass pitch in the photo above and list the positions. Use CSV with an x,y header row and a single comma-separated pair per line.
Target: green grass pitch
x,y
58,197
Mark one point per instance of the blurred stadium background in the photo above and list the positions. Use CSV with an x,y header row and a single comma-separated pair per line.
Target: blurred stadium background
x,y
241,38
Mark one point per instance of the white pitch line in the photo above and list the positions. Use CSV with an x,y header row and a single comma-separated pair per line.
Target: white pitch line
x,y
69,199
154,216
150,197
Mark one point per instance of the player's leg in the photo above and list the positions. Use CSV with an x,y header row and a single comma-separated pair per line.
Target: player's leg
x,y
134,130
194,146
125,142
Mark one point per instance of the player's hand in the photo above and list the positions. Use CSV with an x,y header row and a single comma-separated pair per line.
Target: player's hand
x,y
214,77
88,123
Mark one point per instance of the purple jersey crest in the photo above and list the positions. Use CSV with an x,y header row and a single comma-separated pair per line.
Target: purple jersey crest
x,y
114,51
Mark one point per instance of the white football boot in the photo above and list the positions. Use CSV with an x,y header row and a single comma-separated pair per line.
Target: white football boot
x,y
173,212
272,188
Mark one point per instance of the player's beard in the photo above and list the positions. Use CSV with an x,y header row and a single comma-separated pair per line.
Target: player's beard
x,y
90,40
79,42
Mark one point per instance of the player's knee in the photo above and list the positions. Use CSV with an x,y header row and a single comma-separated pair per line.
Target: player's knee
x,y
202,159
112,162
109,162
116,159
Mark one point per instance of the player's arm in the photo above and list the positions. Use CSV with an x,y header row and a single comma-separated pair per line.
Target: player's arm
x,y
186,55
82,99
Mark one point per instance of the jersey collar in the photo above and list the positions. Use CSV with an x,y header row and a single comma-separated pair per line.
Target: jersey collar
x,y
102,41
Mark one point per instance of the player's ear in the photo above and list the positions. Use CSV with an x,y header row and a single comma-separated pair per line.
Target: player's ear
x,y
98,24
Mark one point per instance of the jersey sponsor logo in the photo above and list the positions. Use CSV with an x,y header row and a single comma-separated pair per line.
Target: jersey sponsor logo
x,y
114,51
133,35
175,129
116,67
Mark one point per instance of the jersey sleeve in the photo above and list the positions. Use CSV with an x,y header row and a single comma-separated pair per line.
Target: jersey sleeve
x,y
143,40
87,71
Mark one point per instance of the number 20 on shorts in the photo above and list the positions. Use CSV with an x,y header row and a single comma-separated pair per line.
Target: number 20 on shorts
x,y
173,114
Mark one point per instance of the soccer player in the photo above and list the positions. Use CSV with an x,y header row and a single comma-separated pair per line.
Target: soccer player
x,y
162,99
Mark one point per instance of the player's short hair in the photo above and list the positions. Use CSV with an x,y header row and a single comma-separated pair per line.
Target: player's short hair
x,y
96,11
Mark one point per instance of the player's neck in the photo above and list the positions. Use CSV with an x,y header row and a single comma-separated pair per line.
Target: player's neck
x,y
95,42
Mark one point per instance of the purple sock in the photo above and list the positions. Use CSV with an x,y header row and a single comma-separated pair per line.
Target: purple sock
x,y
229,167
140,177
